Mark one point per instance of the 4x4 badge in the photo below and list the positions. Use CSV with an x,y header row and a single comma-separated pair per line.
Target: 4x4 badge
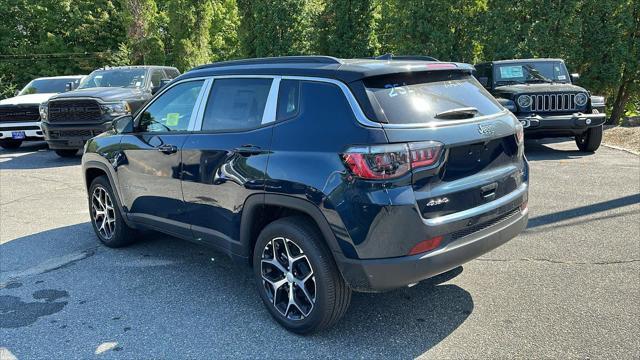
x,y
487,129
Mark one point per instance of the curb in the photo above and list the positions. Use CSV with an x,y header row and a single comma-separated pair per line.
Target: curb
x,y
622,149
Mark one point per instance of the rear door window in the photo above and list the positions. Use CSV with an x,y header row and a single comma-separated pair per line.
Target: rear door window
x,y
417,97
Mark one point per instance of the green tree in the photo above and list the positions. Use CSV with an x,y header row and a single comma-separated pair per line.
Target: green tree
x,y
144,37
224,40
347,28
277,28
190,31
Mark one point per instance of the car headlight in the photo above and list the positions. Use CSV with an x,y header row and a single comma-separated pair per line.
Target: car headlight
x,y
44,111
116,109
524,101
581,99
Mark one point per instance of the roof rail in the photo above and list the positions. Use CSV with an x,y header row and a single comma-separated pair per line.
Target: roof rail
x,y
317,59
389,57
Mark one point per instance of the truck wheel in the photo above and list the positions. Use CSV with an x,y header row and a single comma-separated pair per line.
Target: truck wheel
x,y
106,218
10,143
66,153
297,277
590,140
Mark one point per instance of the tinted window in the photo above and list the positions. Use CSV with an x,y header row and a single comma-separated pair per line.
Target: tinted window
x,y
172,73
114,78
172,110
42,86
156,76
530,72
236,104
417,98
288,99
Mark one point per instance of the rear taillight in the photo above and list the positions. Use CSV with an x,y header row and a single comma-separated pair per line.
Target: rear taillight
x,y
381,162
426,245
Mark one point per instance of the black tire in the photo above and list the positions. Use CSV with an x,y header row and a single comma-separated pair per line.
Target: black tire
x,y
121,234
590,140
330,292
10,144
66,153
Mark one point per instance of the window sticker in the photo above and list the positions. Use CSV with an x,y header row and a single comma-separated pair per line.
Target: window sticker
x,y
511,72
138,83
173,119
562,77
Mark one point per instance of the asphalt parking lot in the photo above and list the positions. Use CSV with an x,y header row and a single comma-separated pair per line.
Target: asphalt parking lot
x,y
569,287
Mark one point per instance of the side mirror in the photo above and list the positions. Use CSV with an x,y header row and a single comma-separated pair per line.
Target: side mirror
x,y
575,77
484,81
122,124
16,93
163,82
68,86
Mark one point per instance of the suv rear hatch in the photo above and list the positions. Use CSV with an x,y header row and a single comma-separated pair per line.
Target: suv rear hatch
x,y
480,155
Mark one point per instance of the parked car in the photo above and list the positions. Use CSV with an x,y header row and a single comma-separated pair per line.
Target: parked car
x,y
546,100
325,175
19,116
70,119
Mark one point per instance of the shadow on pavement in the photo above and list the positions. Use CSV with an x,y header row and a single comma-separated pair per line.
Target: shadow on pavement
x,y
34,155
537,150
166,296
584,210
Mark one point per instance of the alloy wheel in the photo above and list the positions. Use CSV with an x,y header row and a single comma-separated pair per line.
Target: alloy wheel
x,y
288,278
104,215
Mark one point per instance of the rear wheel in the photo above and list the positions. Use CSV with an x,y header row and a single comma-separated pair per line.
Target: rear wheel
x,y
590,140
106,218
297,277
10,143
66,153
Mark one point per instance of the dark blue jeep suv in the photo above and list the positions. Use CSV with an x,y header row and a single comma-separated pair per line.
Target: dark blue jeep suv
x,y
325,175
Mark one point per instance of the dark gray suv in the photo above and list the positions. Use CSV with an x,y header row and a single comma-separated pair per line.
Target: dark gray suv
x,y
325,175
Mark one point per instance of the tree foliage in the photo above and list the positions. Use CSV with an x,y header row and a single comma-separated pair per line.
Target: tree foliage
x,y
597,38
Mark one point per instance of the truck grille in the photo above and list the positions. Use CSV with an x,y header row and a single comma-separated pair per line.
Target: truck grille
x,y
553,102
82,133
74,111
18,113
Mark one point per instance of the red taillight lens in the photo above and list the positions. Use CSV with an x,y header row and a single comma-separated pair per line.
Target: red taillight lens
x,y
424,153
390,161
426,245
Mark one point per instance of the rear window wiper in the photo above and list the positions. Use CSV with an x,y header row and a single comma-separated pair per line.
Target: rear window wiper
x,y
459,113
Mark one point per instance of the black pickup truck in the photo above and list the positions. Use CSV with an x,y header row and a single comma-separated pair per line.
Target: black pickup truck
x,y
70,119
543,96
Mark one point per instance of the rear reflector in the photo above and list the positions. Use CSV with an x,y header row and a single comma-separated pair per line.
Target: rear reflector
x,y
426,245
381,162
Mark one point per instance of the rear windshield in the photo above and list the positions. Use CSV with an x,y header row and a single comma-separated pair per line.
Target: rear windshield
x,y
417,97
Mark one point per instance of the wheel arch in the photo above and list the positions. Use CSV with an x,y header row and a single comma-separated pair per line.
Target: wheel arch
x,y
93,169
255,212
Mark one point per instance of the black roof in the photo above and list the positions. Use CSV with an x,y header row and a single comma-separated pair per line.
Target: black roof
x,y
346,70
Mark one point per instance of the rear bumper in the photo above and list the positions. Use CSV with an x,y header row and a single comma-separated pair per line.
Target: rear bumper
x,y
71,136
385,274
31,130
575,123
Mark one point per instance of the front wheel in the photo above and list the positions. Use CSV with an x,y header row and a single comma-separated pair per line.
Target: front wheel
x,y
106,218
590,140
10,143
297,277
66,153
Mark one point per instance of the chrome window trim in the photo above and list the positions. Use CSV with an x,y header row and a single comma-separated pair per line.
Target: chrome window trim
x,y
202,102
158,95
271,107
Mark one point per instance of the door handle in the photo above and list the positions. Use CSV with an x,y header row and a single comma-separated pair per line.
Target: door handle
x,y
167,149
246,150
